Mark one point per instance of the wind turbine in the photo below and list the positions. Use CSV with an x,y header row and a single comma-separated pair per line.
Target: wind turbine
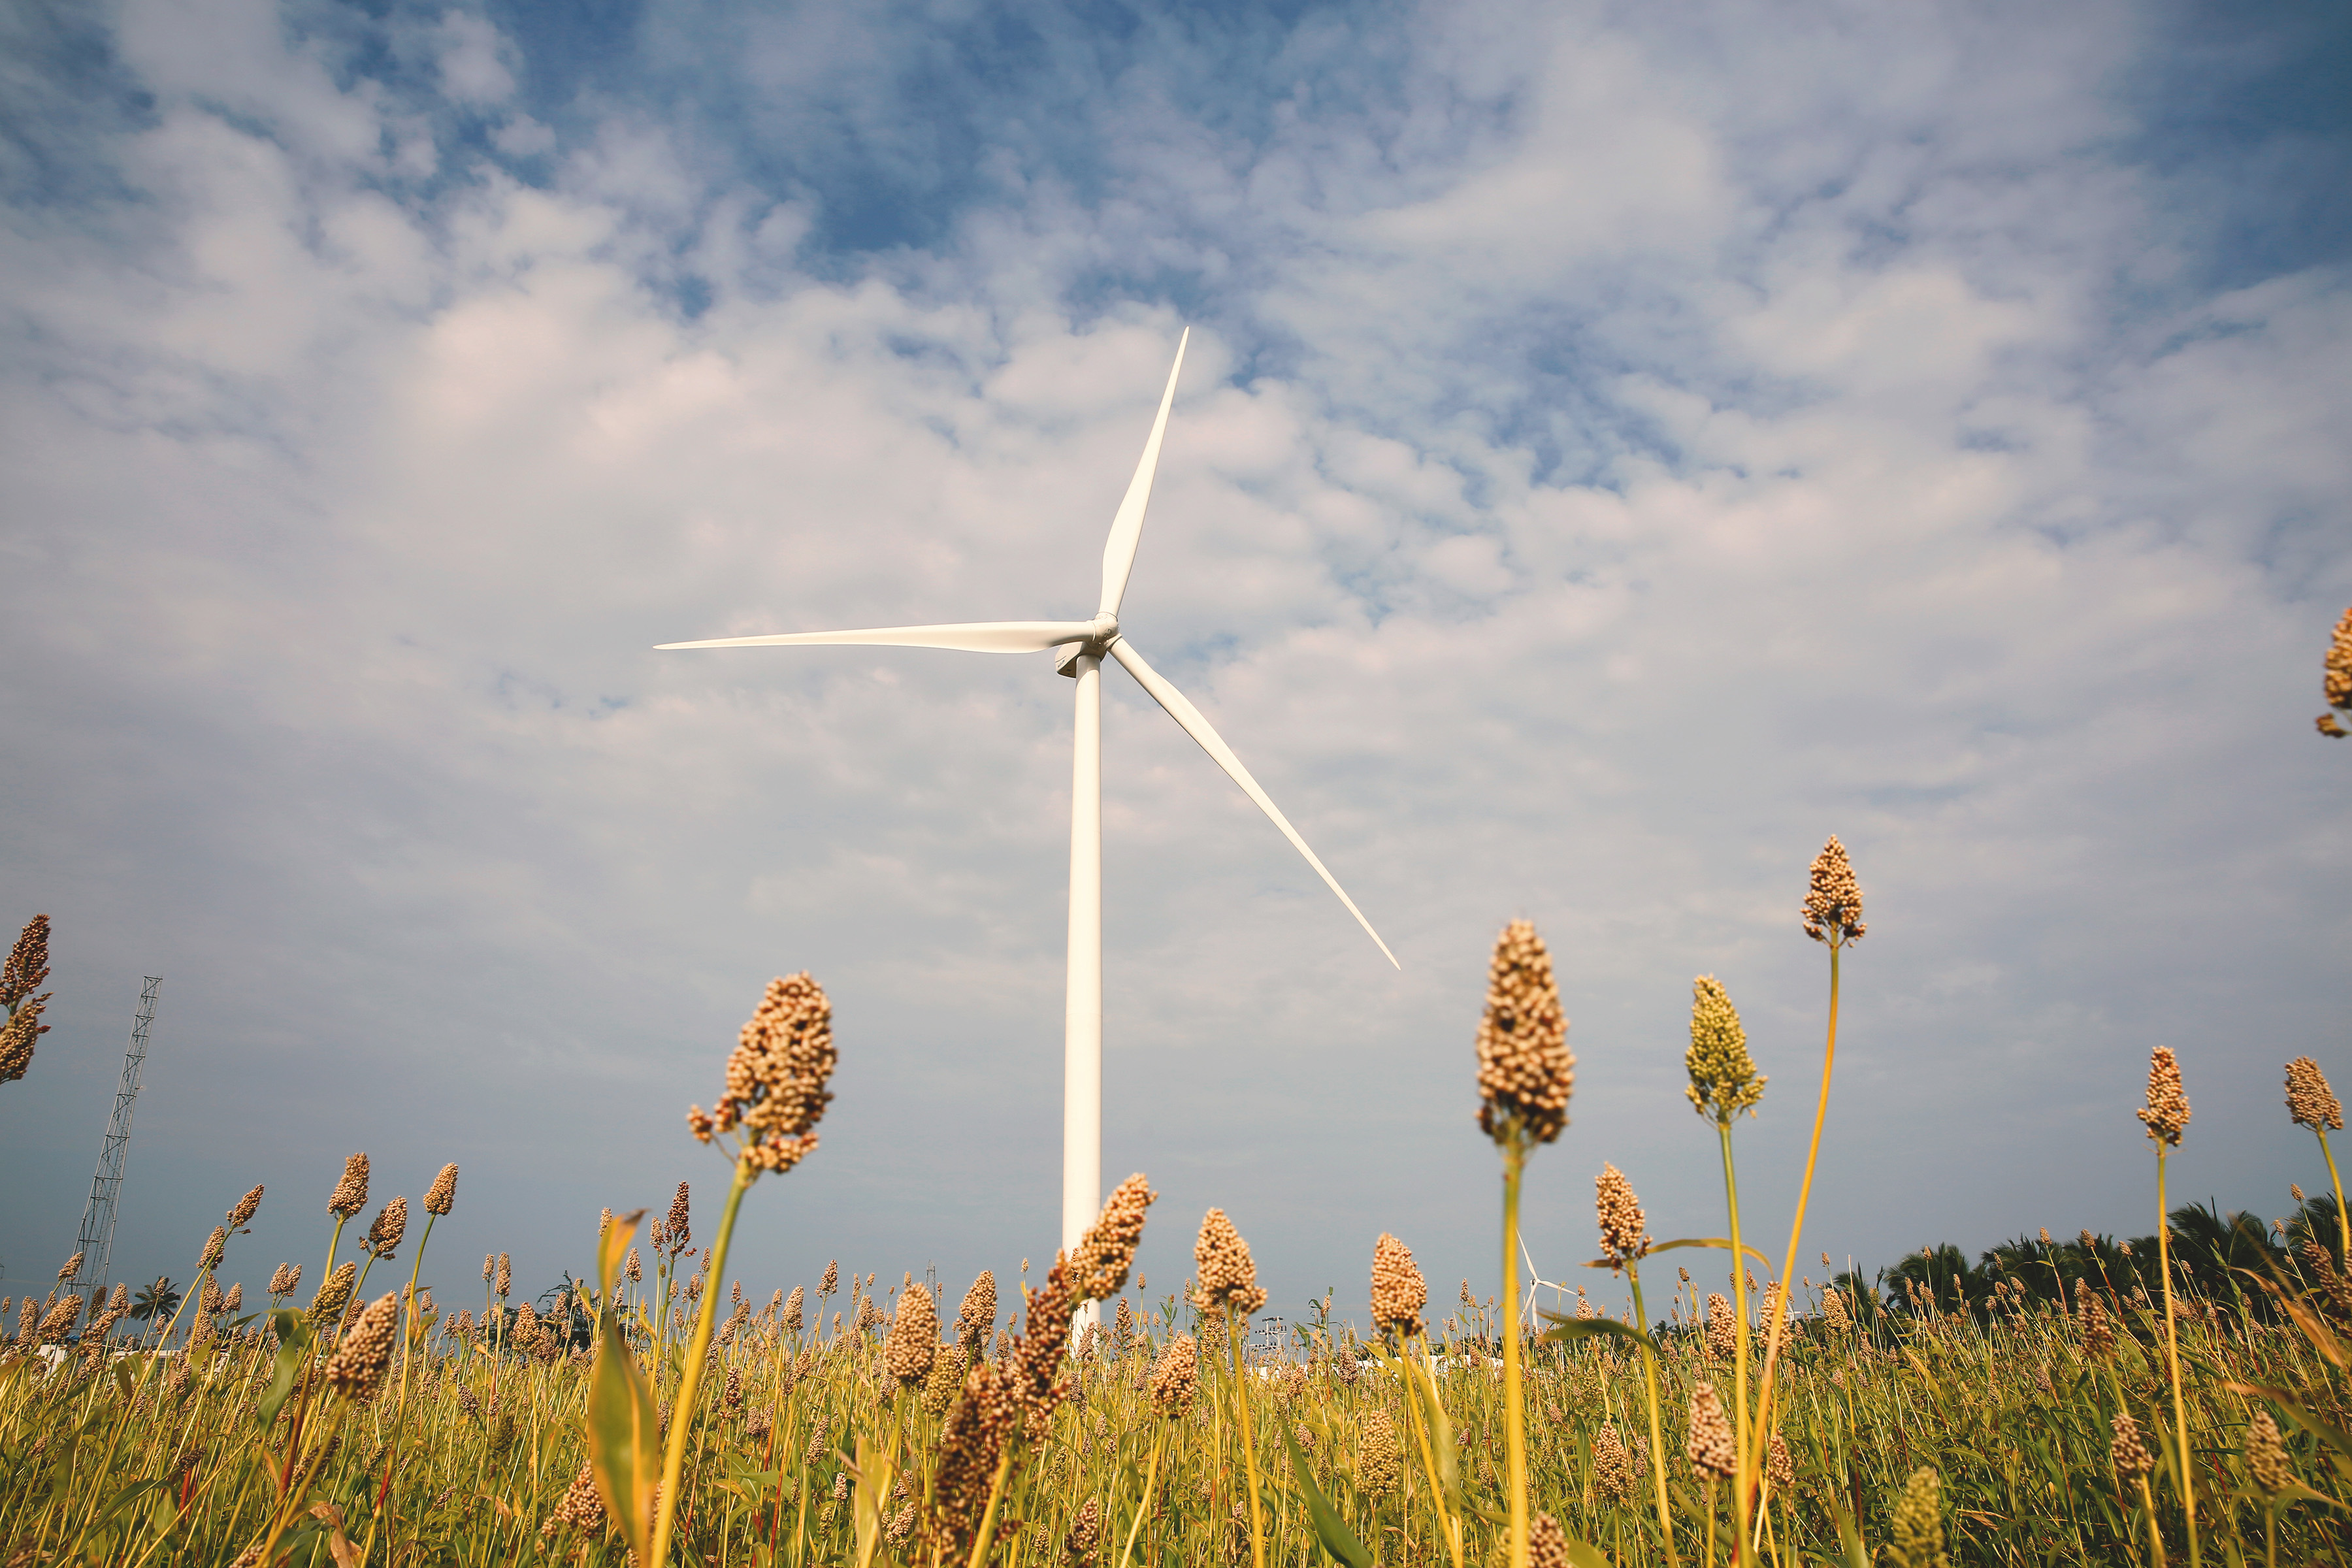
x,y
1079,649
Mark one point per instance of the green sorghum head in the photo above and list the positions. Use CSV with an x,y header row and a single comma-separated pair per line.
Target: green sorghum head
x,y
1723,1077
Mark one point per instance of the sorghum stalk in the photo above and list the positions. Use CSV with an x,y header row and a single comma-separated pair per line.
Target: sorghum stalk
x,y
1833,916
2165,1117
1249,1440
2172,1358
1657,1442
1744,1480
1514,1449
1526,1075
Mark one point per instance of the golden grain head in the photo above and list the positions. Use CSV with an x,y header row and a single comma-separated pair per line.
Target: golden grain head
x,y
2309,1101
247,1207
1709,1445
1107,1252
1833,898
349,1195
1624,1229
1228,1276
1526,1071
777,1076
913,1341
442,1195
2166,1114
1398,1291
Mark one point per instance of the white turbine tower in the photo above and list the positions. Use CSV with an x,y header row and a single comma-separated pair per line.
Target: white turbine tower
x,y
1081,648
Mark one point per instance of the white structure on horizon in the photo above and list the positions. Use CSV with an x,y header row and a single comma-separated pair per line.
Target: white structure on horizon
x,y
1079,649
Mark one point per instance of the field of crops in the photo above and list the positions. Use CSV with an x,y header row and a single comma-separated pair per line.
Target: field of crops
x,y
2174,1397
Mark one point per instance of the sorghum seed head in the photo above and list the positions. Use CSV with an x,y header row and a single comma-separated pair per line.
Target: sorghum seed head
x,y
1086,1534
327,1306
247,1207
1709,1445
1612,1466
946,1378
794,1309
2166,1111
506,1274
1919,1524
1526,1071
2335,682
2266,1455
1399,1292
349,1195
73,1266
914,1337
776,1075
1723,1077
285,1280
357,1367
1779,1466
1832,898
1722,1332
1175,1375
389,1228
1228,1277
2309,1101
28,965
831,1280
1547,1543
2130,1449
1106,1251
678,1232
2295,1191
442,1195
1624,1233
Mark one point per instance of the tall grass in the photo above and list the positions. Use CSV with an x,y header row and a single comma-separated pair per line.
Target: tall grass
x,y
1988,1411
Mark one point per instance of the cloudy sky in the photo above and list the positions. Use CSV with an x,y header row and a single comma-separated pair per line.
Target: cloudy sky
x,y
1620,445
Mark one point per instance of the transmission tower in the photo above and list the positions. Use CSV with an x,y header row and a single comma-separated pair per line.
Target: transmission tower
x,y
98,1220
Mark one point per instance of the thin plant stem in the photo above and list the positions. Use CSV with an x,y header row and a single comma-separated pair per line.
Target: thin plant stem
x,y
2172,1354
1779,1304
1249,1442
2343,1220
1650,1395
1143,1508
690,1378
1742,1457
1514,1443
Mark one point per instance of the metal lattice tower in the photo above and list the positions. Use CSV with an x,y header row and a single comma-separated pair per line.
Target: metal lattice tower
x,y
98,1220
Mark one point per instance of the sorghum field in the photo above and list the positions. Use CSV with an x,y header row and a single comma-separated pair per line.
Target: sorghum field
x,y
2177,1398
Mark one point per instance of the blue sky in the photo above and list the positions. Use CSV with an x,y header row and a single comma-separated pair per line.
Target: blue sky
x,y
1619,447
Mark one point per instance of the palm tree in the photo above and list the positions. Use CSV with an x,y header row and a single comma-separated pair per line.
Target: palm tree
x,y
160,1299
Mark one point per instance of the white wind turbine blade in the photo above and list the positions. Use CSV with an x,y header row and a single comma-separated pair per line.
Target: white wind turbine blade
x,y
1199,729
1126,528
969,637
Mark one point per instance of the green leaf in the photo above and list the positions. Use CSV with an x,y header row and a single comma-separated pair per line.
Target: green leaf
x,y
122,1500
1721,1243
1329,1528
1566,1328
625,1449
293,1347
871,1471
1582,1552
1441,1435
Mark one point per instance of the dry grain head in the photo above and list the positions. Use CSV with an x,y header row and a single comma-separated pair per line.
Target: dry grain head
x,y
349,1195
2166,1111
1833,898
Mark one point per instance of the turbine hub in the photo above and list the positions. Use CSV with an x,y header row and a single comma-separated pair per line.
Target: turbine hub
x,y
1067,655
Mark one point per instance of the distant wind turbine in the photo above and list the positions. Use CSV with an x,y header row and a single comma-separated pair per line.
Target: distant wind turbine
x,y
1079,649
